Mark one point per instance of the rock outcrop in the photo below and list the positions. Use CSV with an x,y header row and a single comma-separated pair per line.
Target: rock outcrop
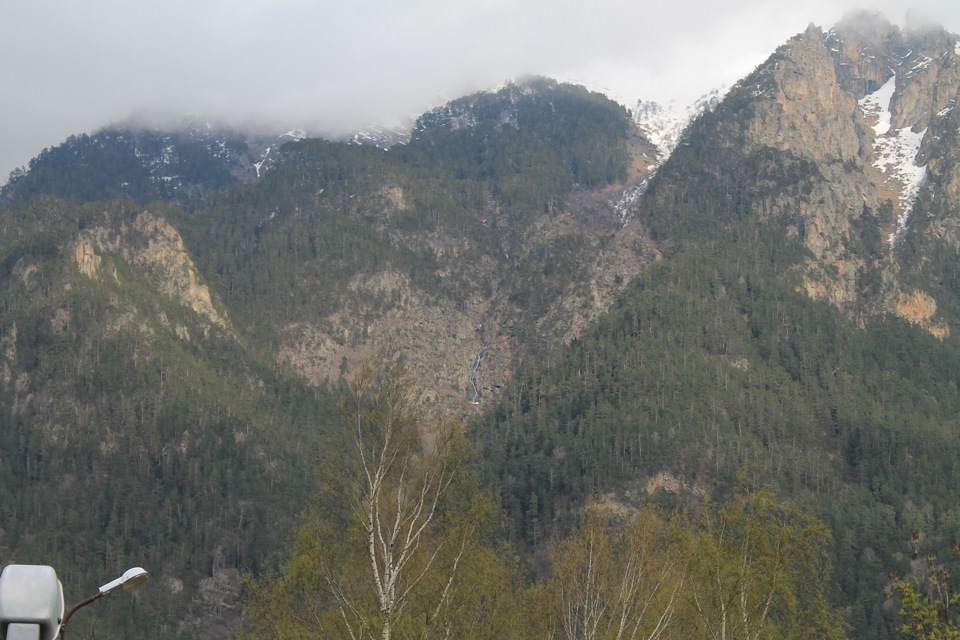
x,y
155,247
871,108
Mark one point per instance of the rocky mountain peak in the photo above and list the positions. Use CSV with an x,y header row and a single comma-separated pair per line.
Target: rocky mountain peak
x,y
868,107
866,47
799,105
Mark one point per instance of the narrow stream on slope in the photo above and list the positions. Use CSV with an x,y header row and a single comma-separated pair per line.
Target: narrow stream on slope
x,y
473,391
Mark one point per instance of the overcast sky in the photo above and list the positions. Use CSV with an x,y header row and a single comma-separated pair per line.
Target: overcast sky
x,y
336,65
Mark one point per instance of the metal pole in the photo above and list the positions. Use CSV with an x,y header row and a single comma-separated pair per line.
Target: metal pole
x,y
66,618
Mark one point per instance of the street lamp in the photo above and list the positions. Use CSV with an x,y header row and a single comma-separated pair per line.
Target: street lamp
x,y
31,600
130,580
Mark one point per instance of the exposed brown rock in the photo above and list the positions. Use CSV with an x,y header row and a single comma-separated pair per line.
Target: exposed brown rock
x,y
806,106
151,243
920,309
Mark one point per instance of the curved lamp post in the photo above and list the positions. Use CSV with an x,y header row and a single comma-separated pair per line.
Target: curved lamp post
x,y
130,580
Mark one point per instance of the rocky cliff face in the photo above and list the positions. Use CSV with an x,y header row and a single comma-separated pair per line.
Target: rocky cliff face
x,y
462,352
440,341
155,247
870,107
120,253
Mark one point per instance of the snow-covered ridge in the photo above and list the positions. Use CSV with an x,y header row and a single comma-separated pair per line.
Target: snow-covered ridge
x,y
665,125
382,137
896,151
293,134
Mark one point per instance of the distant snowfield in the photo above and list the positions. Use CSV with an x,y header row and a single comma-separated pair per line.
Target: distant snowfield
x,y
896,152
665,124
662,124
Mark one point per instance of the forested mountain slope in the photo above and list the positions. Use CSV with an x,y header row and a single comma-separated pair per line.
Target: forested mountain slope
x,y
138,427
800,327
495,231
165,371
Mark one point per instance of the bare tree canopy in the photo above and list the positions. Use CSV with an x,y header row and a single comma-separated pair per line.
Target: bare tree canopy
x,y
393,546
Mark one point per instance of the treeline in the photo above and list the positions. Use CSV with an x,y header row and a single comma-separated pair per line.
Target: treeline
x,y
402,542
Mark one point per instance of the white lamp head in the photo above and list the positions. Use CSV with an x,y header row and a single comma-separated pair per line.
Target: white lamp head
x,y
130,580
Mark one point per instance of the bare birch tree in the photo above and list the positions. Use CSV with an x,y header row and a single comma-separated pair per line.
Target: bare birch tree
x,y
395,525
395,487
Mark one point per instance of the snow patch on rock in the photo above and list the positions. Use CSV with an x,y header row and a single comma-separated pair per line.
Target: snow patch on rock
x,y
664,125
896,151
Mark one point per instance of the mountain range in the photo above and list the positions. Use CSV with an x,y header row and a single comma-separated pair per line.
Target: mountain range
x,y
627,305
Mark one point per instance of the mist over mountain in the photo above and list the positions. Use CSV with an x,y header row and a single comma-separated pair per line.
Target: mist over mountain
x,y
629,306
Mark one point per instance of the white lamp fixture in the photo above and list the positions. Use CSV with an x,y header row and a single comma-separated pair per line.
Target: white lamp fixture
x,y
130,580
